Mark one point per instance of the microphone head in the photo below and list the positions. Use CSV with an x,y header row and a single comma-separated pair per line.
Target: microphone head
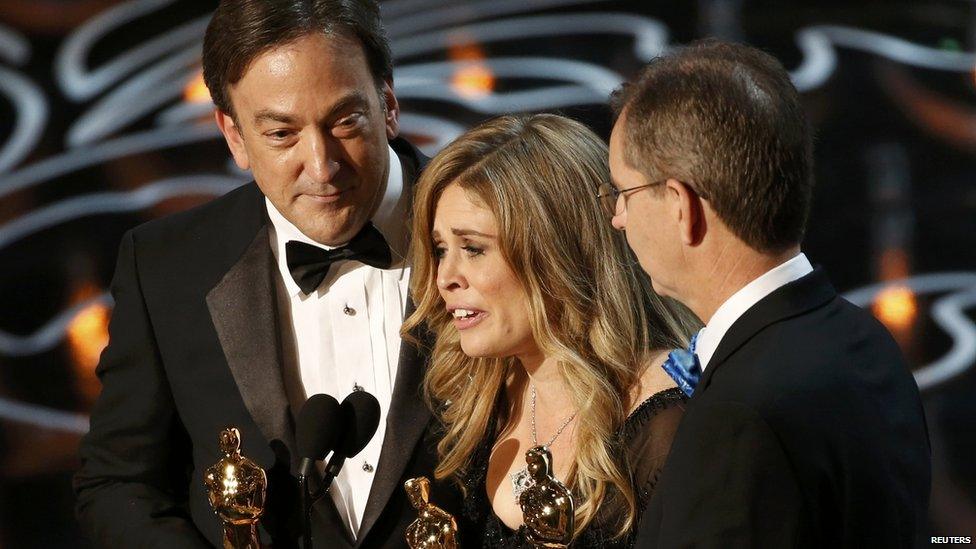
x,y
361,412
318,426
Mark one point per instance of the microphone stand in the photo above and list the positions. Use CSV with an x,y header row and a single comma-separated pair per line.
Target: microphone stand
x,y
306,515
308,499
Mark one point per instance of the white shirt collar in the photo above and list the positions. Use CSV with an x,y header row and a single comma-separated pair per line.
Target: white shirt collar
x,y
389,219
741,301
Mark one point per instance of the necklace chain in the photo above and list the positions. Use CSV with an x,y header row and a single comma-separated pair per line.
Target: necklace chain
x,y
535,440
521,479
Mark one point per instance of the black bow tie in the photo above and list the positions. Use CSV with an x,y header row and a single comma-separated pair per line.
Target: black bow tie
x,y
309,264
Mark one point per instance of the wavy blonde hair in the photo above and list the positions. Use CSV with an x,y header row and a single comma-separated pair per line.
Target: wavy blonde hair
x,y
591,308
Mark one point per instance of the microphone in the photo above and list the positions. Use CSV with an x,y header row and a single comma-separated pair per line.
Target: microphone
x,y
317,430
361,415
316,434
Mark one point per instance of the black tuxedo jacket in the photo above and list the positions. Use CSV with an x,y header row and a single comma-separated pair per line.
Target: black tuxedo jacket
x,y
806,430
194,348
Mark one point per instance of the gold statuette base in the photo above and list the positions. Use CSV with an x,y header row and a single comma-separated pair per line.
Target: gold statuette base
x,y
241,536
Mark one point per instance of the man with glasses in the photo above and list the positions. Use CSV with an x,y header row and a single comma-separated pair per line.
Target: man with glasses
x,y
805,426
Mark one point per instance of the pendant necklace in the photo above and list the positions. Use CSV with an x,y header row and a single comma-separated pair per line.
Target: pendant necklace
x,y
521,479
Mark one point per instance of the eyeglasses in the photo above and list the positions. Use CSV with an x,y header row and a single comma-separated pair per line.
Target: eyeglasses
x,y
610,196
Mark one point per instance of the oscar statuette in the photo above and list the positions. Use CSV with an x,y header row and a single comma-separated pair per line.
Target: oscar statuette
x,y
547,505
236,488
434,527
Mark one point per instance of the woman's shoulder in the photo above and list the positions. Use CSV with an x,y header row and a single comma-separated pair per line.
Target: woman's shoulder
x,y
653,384
647,433
654,418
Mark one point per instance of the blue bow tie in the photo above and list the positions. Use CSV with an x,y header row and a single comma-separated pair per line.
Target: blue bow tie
x,y
683,367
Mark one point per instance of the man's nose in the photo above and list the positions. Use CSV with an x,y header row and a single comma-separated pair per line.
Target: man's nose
x,y
322,159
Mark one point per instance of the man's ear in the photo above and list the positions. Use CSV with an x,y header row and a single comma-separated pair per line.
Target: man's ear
x,y
689,211
392,110
232,135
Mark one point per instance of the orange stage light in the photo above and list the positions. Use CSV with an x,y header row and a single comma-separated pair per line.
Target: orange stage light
x,y
196,90
896,307
87,336
473,78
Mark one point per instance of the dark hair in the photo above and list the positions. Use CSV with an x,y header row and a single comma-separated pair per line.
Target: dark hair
x,y
725,119
240,30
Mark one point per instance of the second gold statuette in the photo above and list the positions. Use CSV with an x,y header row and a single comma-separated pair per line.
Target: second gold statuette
x,y
434,528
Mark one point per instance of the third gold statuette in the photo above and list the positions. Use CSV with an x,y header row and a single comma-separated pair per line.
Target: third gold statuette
x,y
547,505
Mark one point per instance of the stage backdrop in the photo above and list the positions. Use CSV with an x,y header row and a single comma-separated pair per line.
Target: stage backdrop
x,y
105,123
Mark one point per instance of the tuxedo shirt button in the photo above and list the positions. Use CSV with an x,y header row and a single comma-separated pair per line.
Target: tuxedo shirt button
x,y
349,311
367,467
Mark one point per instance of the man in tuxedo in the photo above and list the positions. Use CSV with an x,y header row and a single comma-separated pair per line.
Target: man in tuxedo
x,y
233,313
805,427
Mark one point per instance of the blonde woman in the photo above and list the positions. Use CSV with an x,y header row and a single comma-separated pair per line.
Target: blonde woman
x,y
545,330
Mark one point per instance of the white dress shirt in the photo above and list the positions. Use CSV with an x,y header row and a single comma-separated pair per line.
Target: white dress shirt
x,y
734,307
346,334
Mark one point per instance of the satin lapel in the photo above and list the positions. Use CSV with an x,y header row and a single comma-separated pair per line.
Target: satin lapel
x,y
795,298
405,424
244,313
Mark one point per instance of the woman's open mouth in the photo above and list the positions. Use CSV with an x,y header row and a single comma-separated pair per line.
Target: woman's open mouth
x,y
467,318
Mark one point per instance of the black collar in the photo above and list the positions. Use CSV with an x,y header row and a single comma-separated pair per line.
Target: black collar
x,y
804,294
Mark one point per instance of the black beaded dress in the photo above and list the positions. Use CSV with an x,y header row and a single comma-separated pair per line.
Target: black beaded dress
x,y
645,438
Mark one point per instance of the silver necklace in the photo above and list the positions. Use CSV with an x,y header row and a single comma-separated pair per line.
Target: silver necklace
x,y
521,480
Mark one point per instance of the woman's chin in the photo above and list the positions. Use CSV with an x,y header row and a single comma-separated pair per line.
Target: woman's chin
x,y
479,349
